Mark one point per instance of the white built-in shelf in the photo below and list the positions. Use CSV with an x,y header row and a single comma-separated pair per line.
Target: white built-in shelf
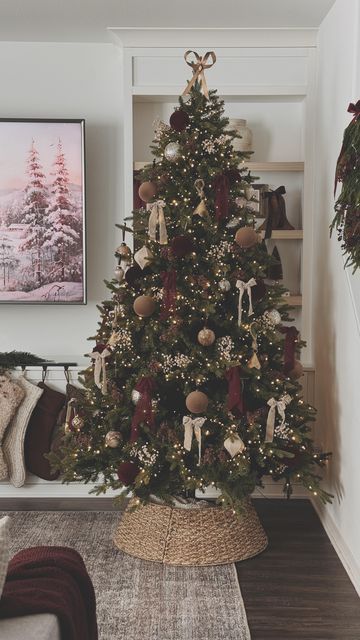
x,y
291,234
151,93
252,166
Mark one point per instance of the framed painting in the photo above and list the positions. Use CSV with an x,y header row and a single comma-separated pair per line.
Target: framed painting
x,y
42,211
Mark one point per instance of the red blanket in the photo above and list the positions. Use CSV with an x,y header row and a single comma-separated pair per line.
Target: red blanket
x,y
52,580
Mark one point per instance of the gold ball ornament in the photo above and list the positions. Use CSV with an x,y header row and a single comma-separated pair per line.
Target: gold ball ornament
x,y
144,306
206,337
297,371
197,402
224,285
113,439
123,251
147,191
77,422
246,237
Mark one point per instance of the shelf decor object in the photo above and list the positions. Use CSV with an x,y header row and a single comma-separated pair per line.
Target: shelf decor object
x,y
244,143
42,212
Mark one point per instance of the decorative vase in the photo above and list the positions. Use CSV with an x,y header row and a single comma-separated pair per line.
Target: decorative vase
x,y
245,142
192,536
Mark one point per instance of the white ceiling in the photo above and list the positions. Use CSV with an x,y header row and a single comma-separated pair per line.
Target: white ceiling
x,y
87,20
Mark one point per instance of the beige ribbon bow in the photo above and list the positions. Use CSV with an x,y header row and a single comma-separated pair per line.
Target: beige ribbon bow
x,y
192,426
198,65
280,406
245,286
156,218
100,369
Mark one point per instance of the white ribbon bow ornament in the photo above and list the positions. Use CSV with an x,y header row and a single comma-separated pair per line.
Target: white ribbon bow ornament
x,y
192,427
100,369
245,286
156,218
280,406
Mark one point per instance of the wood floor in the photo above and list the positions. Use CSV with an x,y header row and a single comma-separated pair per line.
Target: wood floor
x,y
297,589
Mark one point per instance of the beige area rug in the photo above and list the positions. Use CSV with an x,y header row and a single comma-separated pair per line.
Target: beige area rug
x,y
139,600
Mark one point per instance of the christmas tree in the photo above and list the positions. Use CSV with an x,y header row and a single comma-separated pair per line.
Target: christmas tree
x,y
194,375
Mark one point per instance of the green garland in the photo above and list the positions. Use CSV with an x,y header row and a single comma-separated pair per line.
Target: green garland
x,y
12,359
347,207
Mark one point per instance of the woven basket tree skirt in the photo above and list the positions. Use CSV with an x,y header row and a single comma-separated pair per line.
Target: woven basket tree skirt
x,y
191,536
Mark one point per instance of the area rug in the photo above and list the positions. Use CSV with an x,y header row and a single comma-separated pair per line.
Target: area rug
x,y
138,599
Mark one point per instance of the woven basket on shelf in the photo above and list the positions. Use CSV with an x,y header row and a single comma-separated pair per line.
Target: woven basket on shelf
x,y
191,536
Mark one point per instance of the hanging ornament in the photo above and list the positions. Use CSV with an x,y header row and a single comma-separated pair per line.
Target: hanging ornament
x,y
135,396
201,209
181,246
279,406
234,445
144,306
197,402
123,252
206,337
113,439
224,285
134,276
157,218
291,338
246,237
254,360
172,151
179,120
235,399
192,426
160,128
127,472
77,422
143,257
274,316
245,287
249,192
147,191
119,273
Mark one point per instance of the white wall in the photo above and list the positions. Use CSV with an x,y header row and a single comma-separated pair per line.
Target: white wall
x,y
336,335
53,80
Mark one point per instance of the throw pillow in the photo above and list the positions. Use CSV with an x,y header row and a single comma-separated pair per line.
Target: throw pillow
x,y
40,431
11,394
4,549
15,434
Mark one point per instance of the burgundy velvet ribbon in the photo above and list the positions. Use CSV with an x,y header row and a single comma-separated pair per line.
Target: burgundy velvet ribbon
x,y
291,335
221,197
235,400
143,412
169,299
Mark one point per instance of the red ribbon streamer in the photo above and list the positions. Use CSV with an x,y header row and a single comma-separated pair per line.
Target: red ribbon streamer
x,y
235,400
143,412
221,197
169,299
291,336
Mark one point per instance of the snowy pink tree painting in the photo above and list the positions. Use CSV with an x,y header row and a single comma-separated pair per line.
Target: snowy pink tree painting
x,y
42,211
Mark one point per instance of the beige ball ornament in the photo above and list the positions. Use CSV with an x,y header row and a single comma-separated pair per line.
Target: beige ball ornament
x,y
206,337
147,191
144,306
113,439
297,371
123,251
197,402
246,237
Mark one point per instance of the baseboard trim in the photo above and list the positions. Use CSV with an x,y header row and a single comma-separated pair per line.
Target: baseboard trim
x,y
345,555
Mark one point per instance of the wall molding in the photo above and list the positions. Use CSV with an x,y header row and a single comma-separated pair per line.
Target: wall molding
x,y
345,555
212,37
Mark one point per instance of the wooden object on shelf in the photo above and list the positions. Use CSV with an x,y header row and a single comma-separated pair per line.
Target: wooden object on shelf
x,y
291,234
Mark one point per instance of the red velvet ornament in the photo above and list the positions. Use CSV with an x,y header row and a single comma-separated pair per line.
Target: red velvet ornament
x,y
179,120
181,246
133,275
291,336
169,298
235,401
127,472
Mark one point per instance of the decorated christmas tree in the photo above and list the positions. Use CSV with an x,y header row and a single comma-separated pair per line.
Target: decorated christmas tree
x,y
194,374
